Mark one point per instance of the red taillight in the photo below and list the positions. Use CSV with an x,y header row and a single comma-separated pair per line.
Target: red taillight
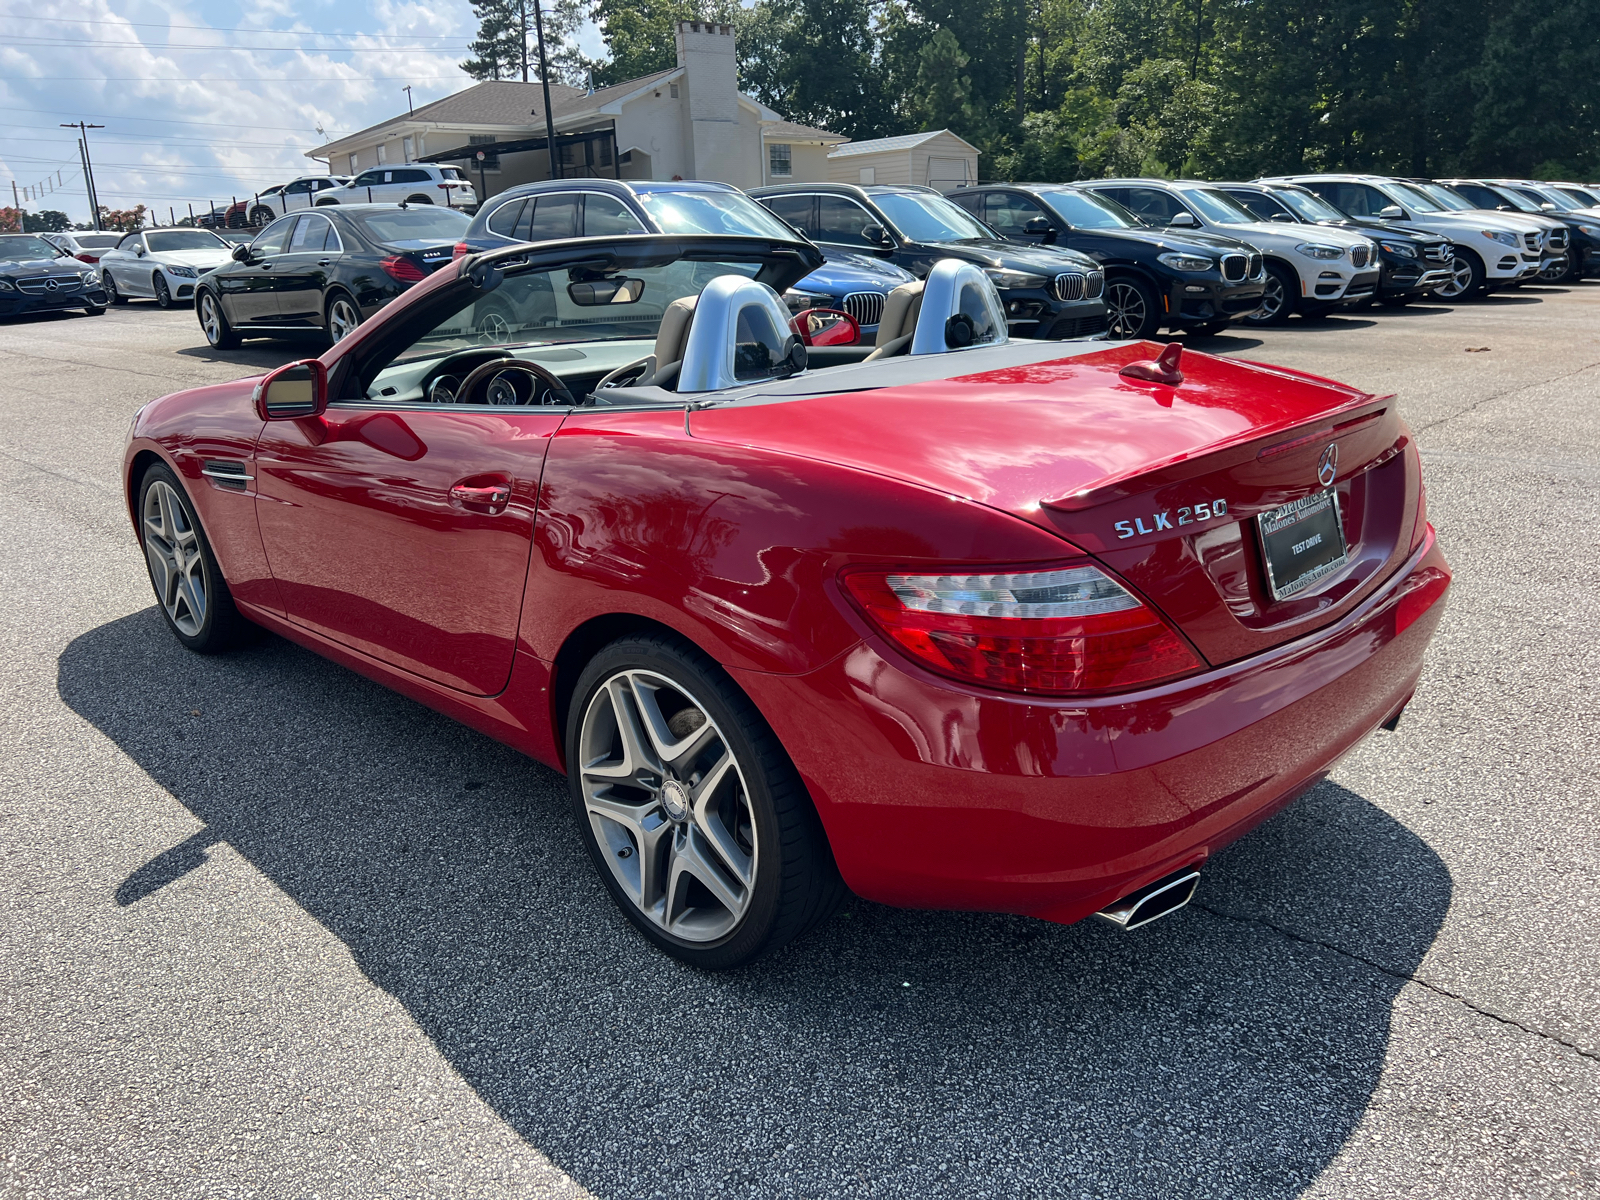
x,y
85,256
403,269
1426,591
1046,631
461,251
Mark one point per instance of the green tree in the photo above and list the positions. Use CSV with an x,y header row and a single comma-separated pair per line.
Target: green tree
x,y
48,221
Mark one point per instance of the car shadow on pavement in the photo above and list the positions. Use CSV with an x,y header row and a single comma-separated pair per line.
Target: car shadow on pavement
x,y
265,355
1228,1050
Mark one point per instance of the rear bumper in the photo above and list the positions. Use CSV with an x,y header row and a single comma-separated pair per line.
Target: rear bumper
x,y
939,796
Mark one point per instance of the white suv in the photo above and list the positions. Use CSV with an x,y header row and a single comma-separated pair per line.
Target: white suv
x,y
413,183
1493,249
1310,269
299,193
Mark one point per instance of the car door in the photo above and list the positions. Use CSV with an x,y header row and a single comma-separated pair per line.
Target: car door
x,y
297,195
248,290
302,271
799,211
1010,212
549,217
606,216
1262,206
1153,204
402,530
125,269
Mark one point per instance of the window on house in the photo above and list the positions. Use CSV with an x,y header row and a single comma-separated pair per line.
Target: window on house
x,y
354,160
491,160
779,162
674,91
383,153
405,147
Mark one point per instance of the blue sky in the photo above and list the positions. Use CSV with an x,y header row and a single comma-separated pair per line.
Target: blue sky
x,y
196,103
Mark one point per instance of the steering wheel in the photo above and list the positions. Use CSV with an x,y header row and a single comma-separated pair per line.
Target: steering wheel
x,y
629,372
496,390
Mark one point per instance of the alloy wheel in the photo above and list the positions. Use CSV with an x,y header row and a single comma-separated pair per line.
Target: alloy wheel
x,y
110,286
1554,271
163,293
342,318
1126,309
1460,280
1273,299
210,318
667,802
177,566
492,329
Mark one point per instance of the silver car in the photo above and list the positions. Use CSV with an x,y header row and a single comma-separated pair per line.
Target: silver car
x,y
163,265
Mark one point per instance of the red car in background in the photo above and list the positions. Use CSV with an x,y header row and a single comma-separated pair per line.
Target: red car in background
x,y
950,621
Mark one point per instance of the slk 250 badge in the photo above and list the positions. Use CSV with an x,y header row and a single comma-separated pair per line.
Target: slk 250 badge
x,y
1164,520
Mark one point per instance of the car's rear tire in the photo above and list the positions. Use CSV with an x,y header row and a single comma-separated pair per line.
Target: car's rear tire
x,y
163,293
326,203
1279,298
1133,310
190,591
419,199
341,316
261,216
1466,278
697,821
110,285
214,322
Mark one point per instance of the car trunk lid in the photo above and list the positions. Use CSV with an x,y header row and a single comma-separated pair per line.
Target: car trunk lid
x,y
1161,484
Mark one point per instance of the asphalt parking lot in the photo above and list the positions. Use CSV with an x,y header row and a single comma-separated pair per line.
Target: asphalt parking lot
x,y
269,930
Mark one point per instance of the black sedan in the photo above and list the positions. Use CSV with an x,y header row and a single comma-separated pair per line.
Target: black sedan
x,y
1181,279
322,273
36,276
1411,261
1048,292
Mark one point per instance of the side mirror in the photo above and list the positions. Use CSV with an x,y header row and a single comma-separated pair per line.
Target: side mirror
x,y
1284,218
825,327
138,251
1547,206
289,393
1391,212
1038,227
241,252
877,235
1183,220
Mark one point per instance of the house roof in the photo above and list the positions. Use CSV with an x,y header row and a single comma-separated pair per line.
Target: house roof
x,y
790,131
494,102
903,142
581,103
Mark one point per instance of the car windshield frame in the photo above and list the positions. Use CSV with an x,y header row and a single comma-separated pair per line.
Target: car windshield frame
x,y
151,236
1228,211
9,239
692,209
926,209
1122,218
1305,203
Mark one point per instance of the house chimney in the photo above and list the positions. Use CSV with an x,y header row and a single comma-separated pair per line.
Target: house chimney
x,y
711,76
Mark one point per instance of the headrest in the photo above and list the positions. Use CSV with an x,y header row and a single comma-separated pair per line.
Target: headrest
x,y
900,312
674,330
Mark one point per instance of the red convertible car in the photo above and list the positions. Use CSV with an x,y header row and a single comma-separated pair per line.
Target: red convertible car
x,y
950,621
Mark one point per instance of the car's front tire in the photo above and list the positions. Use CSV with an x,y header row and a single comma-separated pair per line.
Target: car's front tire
x,y
1133,311
1277,298
696,819
110,285
1466,278
189,588
163,293
341,317
214,322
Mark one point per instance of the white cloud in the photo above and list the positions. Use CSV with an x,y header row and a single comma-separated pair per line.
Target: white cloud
x,y
229,118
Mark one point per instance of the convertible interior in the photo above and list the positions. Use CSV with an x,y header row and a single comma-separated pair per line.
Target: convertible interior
x,y
657,333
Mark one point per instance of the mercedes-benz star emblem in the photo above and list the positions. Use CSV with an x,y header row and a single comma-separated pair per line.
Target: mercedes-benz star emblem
x,y
675,800
51,284
1328,465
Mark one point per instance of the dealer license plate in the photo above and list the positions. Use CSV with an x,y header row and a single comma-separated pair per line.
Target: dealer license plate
x,y
1302,542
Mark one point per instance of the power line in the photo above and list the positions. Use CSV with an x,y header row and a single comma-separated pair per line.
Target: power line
x,y
23,42
423,37
11,137
56,112
213,79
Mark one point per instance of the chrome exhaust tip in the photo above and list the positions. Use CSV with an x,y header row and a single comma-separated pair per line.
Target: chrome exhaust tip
x,y
1154,900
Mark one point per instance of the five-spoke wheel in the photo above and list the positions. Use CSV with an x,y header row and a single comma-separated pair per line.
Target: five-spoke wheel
x,y
343,317
702,830
194,598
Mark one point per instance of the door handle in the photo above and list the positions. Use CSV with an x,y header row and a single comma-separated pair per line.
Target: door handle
x,y
493,495
323,262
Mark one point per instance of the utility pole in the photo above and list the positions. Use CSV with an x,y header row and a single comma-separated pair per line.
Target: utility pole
x,y
409,109
16,205
544,80
83,128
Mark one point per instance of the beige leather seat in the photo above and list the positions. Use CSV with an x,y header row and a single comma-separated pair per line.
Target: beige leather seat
x,y
898,323
671,337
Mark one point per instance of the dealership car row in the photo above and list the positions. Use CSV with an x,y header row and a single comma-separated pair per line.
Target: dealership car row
x,y
1126,257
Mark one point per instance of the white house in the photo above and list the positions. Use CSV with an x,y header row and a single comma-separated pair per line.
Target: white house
x,y
690,122
937,159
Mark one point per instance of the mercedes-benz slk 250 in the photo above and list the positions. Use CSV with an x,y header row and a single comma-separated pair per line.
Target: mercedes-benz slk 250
x,y
956,622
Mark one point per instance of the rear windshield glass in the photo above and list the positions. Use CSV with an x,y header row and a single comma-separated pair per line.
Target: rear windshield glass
x,y
712,212
96,241
1083,211
423,223
24,248
183,239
